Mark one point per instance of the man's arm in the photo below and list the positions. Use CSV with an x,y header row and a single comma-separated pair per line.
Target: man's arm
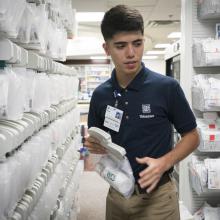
x,y
150,177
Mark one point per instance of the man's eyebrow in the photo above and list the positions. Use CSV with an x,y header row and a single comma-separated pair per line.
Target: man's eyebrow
x,y
125,42
120,42
138,40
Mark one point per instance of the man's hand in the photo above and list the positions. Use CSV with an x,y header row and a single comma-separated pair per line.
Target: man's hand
x,y
150,176
94,146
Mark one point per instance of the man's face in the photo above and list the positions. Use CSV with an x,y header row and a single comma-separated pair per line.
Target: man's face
x,y
126,50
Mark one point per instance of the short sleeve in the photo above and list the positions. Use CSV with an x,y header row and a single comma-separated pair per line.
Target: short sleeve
x,y
180,113
94,119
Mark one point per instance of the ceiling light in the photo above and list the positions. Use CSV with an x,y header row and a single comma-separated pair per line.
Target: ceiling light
x,y
89,16
99,57
161,45
152,52
149,57
174,35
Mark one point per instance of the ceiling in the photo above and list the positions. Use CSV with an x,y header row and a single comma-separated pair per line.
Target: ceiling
x,y
161,17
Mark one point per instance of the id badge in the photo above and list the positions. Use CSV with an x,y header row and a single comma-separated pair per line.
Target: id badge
x,y
113,117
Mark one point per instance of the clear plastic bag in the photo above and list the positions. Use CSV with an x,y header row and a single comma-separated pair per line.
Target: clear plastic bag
x,y
27,22
12,195
4,84
42,89
26,87
15,97
4,188
4,6
38,33
12,17
54,91
30,77
117,173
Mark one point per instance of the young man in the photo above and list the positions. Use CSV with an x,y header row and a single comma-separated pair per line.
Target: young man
x,y
150,104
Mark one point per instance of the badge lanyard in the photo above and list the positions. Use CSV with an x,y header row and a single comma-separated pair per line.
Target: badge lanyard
x,y
117,95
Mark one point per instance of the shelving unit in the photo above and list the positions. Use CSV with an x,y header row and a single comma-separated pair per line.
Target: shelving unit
x,y
39,158
90,77
193,27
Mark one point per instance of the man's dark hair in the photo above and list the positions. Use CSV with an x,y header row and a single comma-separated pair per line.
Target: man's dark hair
x,y
121,18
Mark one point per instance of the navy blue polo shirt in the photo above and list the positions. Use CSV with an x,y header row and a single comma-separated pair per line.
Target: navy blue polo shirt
x,y
151,103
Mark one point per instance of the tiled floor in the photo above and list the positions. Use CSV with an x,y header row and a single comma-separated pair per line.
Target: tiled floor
x,y
93,191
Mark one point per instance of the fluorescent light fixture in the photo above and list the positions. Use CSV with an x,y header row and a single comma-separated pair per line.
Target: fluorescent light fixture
x,y
149,57
174,35
89,16
99,57
157,52
161,45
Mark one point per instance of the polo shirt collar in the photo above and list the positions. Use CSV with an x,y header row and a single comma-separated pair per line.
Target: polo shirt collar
x,y
135,84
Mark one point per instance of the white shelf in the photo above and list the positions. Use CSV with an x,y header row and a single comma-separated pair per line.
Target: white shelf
x,y
32,195
12,53
192,27
14,133
18,56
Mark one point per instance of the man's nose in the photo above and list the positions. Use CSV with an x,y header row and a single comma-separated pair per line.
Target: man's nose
x,y
130,51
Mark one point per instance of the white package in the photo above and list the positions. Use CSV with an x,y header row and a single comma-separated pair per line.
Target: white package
x,y
41,98
54,92
4,84
117,173
38,32
28,79
15,99
209,9
209,131
206,92
199,166
4,5
207,213
211,213
4,188
206,52
213,167
12,17
12,196
210,117
25,26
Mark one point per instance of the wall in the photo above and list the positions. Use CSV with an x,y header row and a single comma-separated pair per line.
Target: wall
x,y
156,65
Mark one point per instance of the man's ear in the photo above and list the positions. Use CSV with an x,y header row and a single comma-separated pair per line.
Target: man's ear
x,y
105,47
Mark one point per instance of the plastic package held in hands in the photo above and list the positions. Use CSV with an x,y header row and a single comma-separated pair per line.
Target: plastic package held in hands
x,y
117,173
114,167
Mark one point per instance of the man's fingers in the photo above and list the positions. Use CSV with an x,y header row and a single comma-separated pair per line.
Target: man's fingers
x,y
97,151
92,140
95,147
140,160
152,187
149,184
143,160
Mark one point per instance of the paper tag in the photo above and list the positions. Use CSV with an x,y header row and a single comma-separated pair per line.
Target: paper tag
x,y
113,117
212,137
211,126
